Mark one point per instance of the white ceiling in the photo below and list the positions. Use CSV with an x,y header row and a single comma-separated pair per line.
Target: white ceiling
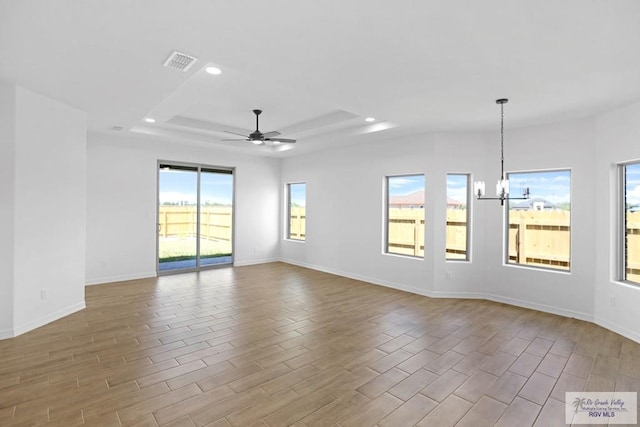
x,y
318,68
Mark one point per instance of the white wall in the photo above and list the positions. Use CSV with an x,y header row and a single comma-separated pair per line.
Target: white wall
x,y
49,223
618,140
557,146
42,215
7,138
352,179
121,203
45,165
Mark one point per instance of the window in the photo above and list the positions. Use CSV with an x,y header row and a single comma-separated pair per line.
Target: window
x,y
539,228
457,217
630,174
297,206
405,215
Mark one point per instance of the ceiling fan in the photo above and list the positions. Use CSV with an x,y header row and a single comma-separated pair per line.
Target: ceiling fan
x,y
259,138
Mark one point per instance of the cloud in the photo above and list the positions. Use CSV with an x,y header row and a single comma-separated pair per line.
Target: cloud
x,y
632,182
459,194
632,176
456,181
633,195
554,186
402,181
403,185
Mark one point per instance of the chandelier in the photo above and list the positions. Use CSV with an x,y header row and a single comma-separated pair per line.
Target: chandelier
x,y
502,187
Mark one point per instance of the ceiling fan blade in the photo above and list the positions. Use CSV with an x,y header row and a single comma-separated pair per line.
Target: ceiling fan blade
x,y
271,134
235,133
259,138
281,140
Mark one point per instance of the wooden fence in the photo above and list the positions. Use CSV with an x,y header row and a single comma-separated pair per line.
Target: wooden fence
x,y
456,240
180,221
633,246
297,223
539,238
406,231
535,237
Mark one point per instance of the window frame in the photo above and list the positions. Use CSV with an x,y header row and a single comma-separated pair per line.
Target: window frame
x,y
386,208
288,209
506,225
622,221
468,225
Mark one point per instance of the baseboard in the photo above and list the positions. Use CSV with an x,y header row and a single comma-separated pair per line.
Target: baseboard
x,y
462,295
123,278
254,262
541,307
625,332
6,333
36,323
372,280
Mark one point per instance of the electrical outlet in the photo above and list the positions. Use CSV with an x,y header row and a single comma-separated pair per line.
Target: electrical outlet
x,y
448,275
43,294
613,302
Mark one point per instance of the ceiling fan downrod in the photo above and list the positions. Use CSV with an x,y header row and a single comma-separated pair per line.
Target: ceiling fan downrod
x,y
256,135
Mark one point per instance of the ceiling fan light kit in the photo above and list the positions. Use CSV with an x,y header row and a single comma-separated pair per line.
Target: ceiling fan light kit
x,y
258,138
502,186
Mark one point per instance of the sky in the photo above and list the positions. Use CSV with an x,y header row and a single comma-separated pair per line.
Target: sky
x,y
554,186
298,194
632,180
181,186
457,187
401,185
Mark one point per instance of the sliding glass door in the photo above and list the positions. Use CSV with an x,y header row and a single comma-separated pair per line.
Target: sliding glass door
x,y
195,216
216,216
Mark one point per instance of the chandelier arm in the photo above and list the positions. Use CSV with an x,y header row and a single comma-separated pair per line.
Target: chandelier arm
x,y
501,198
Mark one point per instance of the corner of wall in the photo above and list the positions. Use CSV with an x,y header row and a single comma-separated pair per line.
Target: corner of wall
x,y
7,196
32,324
50,170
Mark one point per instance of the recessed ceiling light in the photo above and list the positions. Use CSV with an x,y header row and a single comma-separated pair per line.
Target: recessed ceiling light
x,y
370,119
213,70
149,120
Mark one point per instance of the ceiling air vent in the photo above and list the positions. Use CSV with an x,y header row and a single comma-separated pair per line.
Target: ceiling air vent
x,y
180,61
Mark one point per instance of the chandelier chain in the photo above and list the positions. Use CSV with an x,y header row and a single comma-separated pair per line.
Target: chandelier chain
x,y
501,141
502,187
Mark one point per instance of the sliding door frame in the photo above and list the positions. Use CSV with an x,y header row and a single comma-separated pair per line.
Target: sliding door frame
x,y
199,167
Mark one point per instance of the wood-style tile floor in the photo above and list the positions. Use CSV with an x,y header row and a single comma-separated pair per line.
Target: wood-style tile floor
x,y
276,345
